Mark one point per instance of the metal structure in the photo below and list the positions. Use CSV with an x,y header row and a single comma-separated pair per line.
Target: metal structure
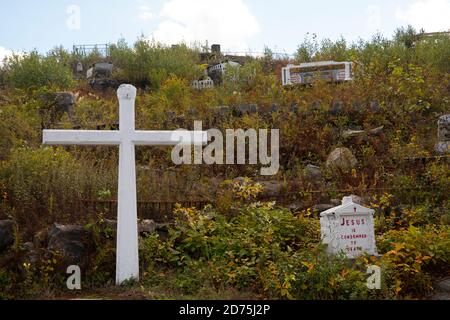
x,y
86,49
306,73
203,84
159,211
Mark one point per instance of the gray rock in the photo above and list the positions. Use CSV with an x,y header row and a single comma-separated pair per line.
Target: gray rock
x,y
440,296
441,290
374,106
65,103
444,128
70,241
110,224
443,145
274,108
65,98
294,107
222,110
239,180
323,206
443,285
41,238
31,254
246,109
271,188
377,131
59,103
336,202
356,199
313,173
193,112
148,226
28,246
315,106
352,133
6,234
336,107
356,106
341,159
170,114
296,206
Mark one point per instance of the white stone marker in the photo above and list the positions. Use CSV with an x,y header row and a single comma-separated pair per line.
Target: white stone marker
x,y
348,228
127,258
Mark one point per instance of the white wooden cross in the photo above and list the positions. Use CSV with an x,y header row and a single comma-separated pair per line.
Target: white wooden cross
x,y
127,257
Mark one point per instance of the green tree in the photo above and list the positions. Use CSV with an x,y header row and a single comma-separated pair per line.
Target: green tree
x,y
32,71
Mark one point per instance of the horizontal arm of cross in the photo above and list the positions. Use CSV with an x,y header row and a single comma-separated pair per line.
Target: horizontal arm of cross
x,y
81,137
169,138
115,137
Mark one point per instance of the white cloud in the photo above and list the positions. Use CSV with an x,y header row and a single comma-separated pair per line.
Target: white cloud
x,y
431,15
229,23
3,54
145,13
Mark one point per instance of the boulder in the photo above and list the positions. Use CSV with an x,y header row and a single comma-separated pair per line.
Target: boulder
x,y
315,106
444,128
294,107
28,246
246,109
341,159
6,234
171,114
71,241
377,131
313,173
271,189
352,133
274,108
356,199
356,106
147,225
193,112
443,145
336,108
110,224
295,206
443,285
336,202
441,290
323,206
31,252
41,238
65,102
374,106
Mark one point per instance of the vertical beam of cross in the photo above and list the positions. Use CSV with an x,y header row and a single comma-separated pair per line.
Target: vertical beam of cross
x,y
127,257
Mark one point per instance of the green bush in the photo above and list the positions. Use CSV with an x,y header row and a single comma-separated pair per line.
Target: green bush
x,y
151,64
412,255
33,70
45,185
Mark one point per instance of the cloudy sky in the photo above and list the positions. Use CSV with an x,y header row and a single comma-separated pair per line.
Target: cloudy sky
x,y
238,25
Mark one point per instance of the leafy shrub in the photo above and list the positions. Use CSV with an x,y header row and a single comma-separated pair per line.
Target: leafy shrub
x,y
44,186
151,64
412,255
34,70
